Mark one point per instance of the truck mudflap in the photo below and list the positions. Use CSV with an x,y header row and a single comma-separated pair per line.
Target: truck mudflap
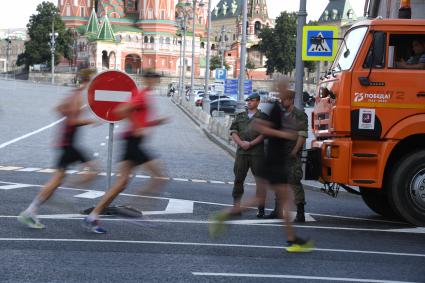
x,y
313,163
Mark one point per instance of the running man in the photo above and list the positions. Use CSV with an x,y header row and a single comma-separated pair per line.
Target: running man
x,y
137,112
70,108
281,170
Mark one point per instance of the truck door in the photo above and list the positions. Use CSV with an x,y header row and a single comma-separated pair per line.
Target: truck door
x,y
385,89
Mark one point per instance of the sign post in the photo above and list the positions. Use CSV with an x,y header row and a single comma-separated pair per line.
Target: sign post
x,y
106,92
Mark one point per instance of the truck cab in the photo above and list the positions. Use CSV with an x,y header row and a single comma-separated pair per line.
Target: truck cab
x,y
369,118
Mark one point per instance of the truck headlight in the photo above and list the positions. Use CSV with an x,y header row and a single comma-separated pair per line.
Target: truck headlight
x,y
332,151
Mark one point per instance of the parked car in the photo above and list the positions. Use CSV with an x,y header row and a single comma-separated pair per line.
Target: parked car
x,y
227,105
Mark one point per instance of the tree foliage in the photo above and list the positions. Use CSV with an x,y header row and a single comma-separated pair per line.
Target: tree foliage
x,y
215,63
249,66
37,49
279,45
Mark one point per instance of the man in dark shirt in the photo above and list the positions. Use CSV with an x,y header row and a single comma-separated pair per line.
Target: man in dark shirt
x,y
281,169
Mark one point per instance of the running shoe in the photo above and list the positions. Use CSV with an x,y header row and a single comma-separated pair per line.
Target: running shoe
x,y
93,226
216,226
299,246
30,220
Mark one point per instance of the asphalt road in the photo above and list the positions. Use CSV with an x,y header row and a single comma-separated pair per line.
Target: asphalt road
x,y
170,242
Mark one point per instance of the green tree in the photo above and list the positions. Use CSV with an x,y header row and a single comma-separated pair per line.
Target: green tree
x,y
278,44
215,63
248,67
37,49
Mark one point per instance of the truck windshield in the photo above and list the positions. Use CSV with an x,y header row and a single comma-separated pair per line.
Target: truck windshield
x,y
348,50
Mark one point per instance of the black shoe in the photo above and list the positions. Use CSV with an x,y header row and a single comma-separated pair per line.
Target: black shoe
x,y
272,215
300,218
260,212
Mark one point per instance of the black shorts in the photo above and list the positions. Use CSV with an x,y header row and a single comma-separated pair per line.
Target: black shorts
x,y
287,170
68,156
133,151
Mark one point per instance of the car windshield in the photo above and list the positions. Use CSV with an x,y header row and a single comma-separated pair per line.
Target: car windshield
x,y
348,50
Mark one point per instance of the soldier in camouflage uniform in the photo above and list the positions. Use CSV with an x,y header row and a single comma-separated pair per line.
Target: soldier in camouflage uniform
x,y
250,152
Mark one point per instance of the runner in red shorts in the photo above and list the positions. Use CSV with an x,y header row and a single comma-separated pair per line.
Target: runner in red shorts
x,y
137,112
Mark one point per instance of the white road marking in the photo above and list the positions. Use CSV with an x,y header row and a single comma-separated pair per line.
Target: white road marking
x,y
218,245
359,218
217,182
308,215
102,144
104,174
162,178
417,230
251,275
48,170
96,154
31,133
71,171
90,194
14,186
143,176
174,206
30,169
181,179
9,168
198,181
308,218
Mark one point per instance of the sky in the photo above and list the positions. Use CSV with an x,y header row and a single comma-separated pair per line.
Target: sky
x,y
16,13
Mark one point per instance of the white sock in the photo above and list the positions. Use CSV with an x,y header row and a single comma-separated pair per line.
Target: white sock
x,y
33,207
92,217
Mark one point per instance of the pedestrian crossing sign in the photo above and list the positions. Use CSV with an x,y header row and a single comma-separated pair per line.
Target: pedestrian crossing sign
x,y
319,43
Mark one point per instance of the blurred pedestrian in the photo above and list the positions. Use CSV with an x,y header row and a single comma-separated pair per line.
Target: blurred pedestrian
x,y
286,133
250,152
137,111
70,108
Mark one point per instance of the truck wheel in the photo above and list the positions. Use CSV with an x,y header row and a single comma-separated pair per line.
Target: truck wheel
x,y
378,202
406,189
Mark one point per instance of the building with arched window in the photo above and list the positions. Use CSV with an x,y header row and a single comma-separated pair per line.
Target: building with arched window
x,y
128,35
228,14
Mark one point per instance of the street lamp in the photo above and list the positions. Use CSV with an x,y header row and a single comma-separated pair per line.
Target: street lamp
x,y
184,15
53,35
206,100
192,77
241,103
299,64
222,47
181,27
9,42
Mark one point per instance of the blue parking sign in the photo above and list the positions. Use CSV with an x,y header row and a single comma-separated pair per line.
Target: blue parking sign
x,y
220,74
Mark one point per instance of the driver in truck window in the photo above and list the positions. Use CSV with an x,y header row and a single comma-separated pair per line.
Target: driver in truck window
x,y
417,60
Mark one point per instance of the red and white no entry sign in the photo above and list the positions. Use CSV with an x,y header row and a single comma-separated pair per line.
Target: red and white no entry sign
x,y
108,90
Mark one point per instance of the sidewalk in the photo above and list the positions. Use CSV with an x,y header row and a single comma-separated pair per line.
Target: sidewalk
x,y
217,130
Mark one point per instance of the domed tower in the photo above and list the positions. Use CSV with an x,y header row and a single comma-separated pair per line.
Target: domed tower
x,y
258,18
75,12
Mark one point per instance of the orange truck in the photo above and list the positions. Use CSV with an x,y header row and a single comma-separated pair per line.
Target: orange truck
x,y
369,118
